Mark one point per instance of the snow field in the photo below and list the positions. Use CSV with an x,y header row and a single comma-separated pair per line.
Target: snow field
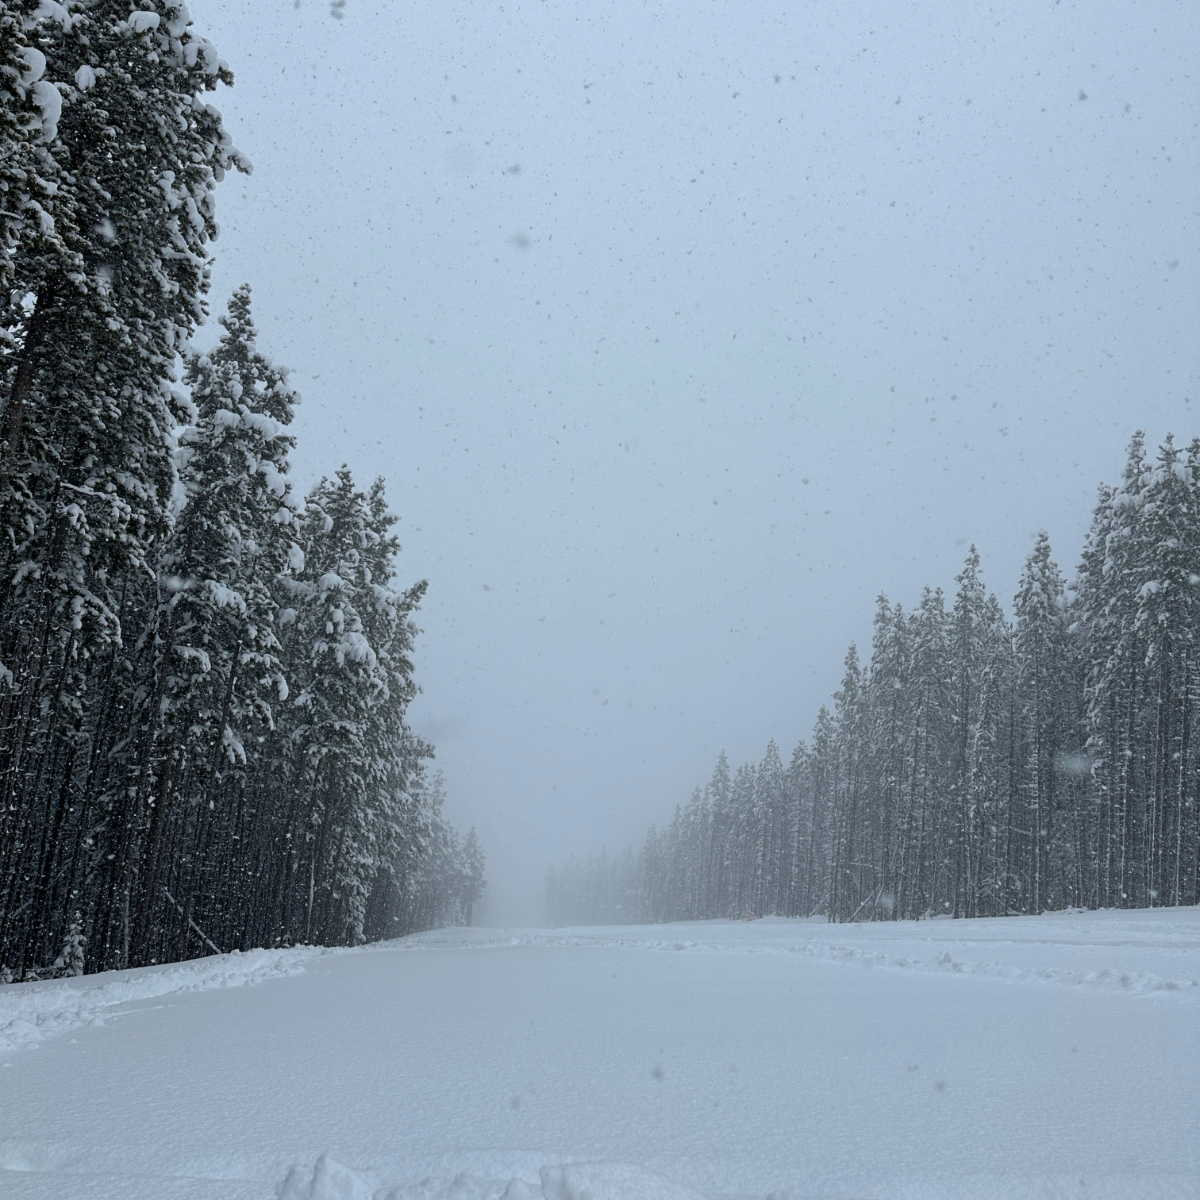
x,y
1047,1057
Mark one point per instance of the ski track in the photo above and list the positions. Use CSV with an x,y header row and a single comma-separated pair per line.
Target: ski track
x,y
1136,983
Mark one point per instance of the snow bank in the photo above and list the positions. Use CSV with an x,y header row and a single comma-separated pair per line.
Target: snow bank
x,y
332,1180
31,1012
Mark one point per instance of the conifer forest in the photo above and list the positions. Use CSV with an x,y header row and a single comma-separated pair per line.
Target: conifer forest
x,y
977,764
686,686
204,675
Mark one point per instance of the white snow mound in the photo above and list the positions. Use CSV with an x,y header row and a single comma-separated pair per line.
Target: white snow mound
x,y
328,1180
31,1012
331,1180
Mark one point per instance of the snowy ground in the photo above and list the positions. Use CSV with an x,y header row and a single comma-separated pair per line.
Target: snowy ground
x,y
1056,1056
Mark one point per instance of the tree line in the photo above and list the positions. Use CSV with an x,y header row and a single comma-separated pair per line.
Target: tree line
x,y
977,764
204,677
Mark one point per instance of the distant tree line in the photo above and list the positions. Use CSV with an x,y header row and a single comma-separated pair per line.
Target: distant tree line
x,y
977,765
204,678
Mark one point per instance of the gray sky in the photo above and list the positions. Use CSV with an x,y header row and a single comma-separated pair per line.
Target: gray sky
x,y
680,331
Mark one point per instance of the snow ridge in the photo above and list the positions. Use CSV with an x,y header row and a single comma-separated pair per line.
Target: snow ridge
x,y
32,1012
332,1180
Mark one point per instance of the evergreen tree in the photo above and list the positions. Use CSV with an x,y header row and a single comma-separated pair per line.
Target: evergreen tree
x,y
217,674
203,684
976,766
473,866
1044,709
105,305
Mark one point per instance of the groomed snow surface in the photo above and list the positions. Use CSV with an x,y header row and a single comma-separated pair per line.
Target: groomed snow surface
x,y
1054,1056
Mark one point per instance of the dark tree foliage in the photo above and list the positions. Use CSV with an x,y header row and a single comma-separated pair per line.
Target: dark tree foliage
x,y
978,765
204,678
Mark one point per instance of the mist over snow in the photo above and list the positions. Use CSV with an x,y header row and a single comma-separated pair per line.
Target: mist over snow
x,y
682,332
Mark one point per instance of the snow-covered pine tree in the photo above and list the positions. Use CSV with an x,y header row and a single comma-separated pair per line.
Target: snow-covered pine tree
x,y
1109,582
890,717
744,842
1045,710
797,792
393,824
473,878
772,803
70,960
217,676
351,672
691,861
931,748
1167,624
105,306
718,802
1091,635
989,758
334,678
29,107
844,871
821,787
29,104
966,623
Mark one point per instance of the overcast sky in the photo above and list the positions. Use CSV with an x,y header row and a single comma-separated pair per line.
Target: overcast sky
x,y
682,330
